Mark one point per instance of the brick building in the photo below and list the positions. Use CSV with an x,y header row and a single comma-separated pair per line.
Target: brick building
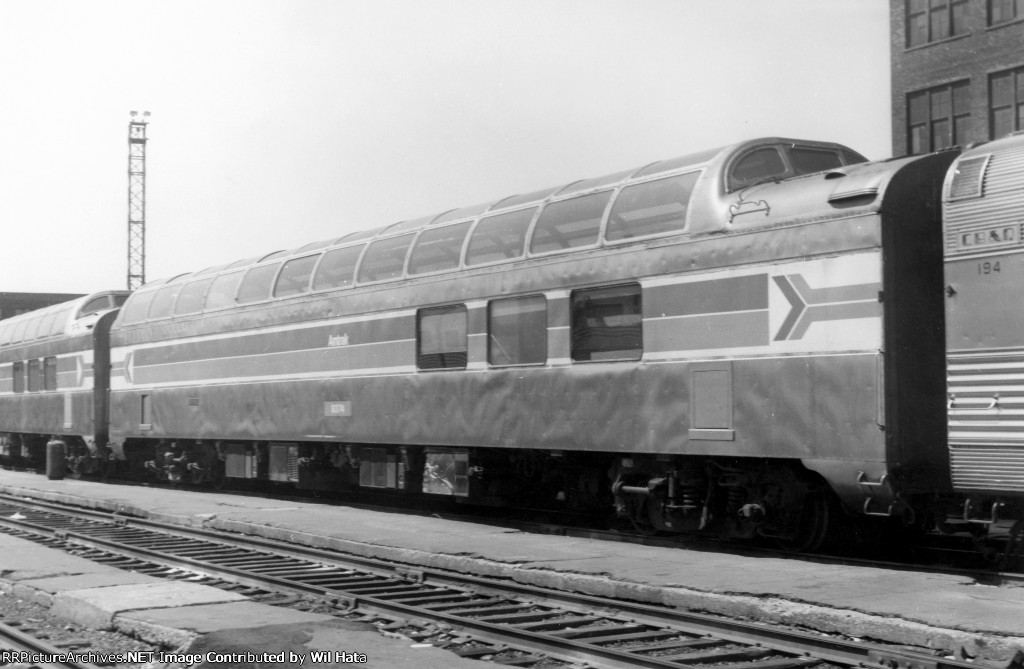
x,y
957,72
12,304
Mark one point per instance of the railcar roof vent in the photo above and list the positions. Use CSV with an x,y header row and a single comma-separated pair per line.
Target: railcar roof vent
x,y
968,177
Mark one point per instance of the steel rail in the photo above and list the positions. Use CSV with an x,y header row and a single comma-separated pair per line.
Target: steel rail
x,y
946,560
787,641
14,639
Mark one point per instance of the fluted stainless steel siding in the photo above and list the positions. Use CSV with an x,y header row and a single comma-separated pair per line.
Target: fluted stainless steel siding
x,y
984,236
986,421
996,468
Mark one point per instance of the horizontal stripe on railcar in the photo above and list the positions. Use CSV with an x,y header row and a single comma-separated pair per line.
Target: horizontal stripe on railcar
x,y
731,313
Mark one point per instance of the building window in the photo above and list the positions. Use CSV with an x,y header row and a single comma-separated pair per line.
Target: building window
x,y
1004,11
1006,90
938,118
441,337
518,331
607,324
934,20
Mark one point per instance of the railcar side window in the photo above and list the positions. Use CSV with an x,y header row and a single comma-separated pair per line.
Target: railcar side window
x,y
95,304
33,328
852,157
569,223
50,373
256,284
162,305
524,198
651,208
356,236
595,182
294,277
136,308
190,299
222,291
807,160
757,165
19,331
338,268
385,259
441,338
18,377
438,249
501,237
59,322
464,212
245,262
607,324
518,331
315,246
46,325
35,376
274,256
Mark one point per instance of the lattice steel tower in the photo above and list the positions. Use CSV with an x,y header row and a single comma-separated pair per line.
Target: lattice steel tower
x,y
137,200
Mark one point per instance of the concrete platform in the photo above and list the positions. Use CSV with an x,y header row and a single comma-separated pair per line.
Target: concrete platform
x,y
941,611
197,620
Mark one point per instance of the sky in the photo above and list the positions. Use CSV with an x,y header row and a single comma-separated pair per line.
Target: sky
x,y
275,123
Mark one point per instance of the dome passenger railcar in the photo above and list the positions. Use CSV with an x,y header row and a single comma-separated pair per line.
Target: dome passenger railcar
x,y
54,375
720,341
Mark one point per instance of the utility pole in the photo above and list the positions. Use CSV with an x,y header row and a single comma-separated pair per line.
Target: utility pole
x,y
137,200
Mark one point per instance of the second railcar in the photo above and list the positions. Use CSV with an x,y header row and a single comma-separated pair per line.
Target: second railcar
x,y
54,376
724,341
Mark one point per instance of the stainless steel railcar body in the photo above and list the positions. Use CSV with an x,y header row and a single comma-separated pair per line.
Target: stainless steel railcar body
x,y
54,374
984,248
723,331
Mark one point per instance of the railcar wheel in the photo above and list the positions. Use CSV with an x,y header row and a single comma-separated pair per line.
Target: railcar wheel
x,y
817,516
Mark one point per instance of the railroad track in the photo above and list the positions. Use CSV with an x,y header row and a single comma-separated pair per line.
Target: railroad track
x,y
938,553
472,616
19,648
